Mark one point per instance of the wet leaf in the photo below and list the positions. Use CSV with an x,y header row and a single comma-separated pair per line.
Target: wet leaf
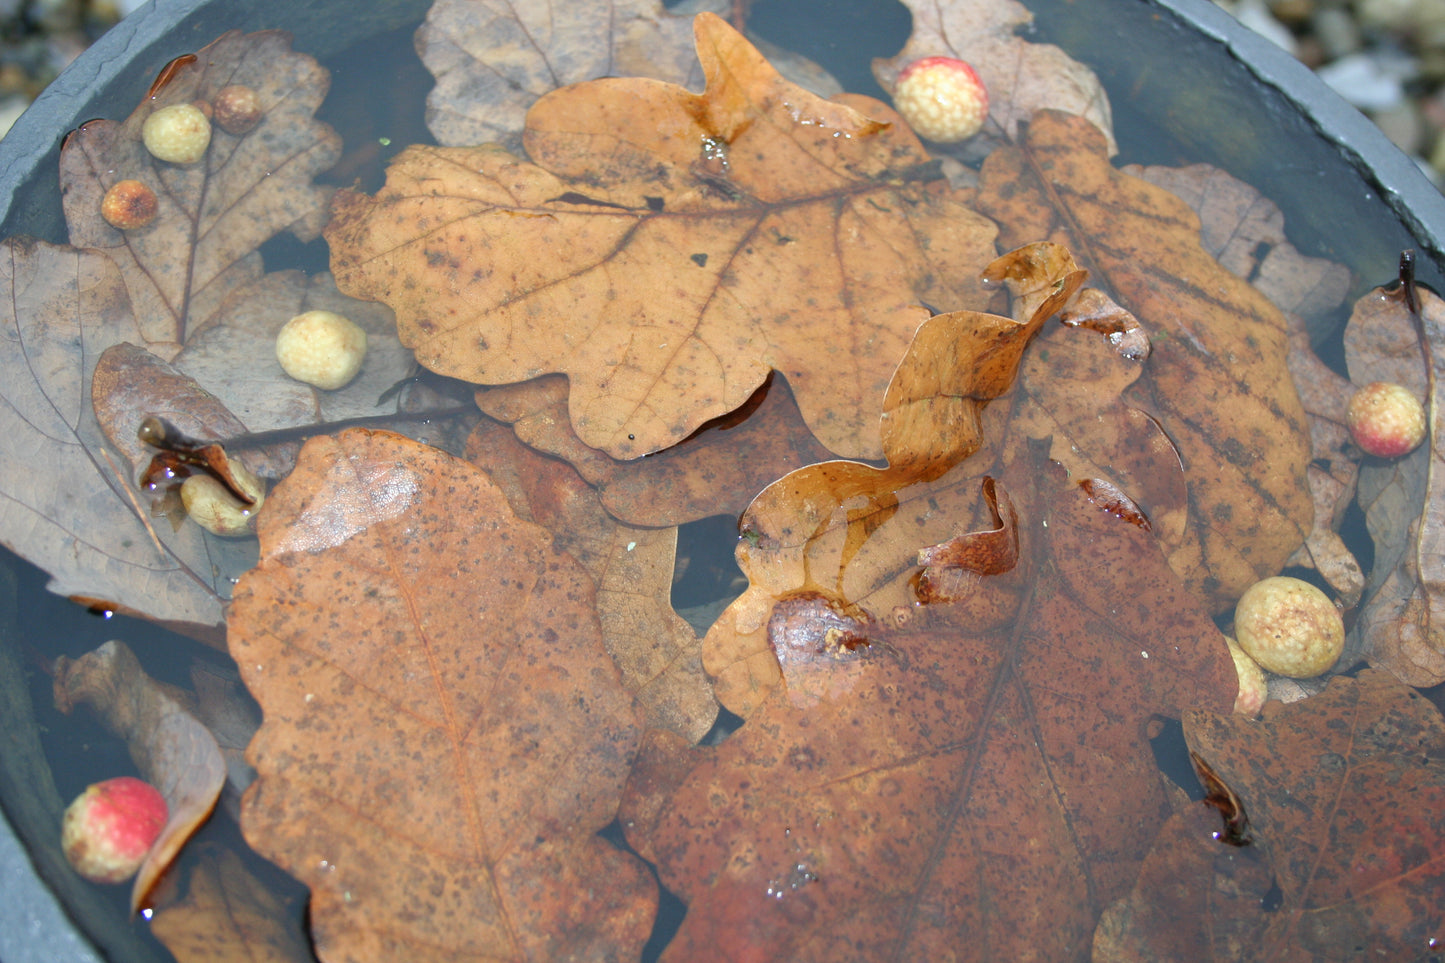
x,y
193,273
851,531
73,507
1214,340
172,749
765,229
657,653
444,732
1401,627
1021,77
1345,793
714,471
492,60
1244,231
214,214
228,914
910,771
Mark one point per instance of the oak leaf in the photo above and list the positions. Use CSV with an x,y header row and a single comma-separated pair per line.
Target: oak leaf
x,y
1244,231
1344,793
443,730
1021,77
192,275
1213,336
714,471
667,273
492,60
228,913
213,214
973,782
657,653
849,529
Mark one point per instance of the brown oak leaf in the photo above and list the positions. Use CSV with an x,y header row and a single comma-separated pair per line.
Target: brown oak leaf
x,y
443,730
1344,793
972,782
1216,381
667,274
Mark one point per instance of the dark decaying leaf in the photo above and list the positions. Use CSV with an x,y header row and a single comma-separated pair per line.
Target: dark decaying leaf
x,y
1213,337
227,914
172,749
970,782
1401,627
444,732
1346,799
666,250
656,651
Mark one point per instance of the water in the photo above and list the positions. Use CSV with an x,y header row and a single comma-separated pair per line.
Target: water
x,y
1157,108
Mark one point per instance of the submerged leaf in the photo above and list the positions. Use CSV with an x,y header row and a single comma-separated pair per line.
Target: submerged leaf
x,y
851,531
714,471
172,749
228,914
214,214
1021,77
911,771
657,653
492,60
444,732
72,505
1346,794
1401,626
666,250
1216,382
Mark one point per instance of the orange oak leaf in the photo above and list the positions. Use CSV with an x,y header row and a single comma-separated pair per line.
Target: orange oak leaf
x,y
1213,337
443,730
851,530
666,250
973,782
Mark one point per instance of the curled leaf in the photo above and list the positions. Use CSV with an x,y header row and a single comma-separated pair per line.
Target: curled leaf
x,y
173,750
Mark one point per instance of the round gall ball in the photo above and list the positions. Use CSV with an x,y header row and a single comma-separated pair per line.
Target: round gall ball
x,y
1386,420
129,205
321,348
942,99
236,109
1289,627
108,830
178,134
